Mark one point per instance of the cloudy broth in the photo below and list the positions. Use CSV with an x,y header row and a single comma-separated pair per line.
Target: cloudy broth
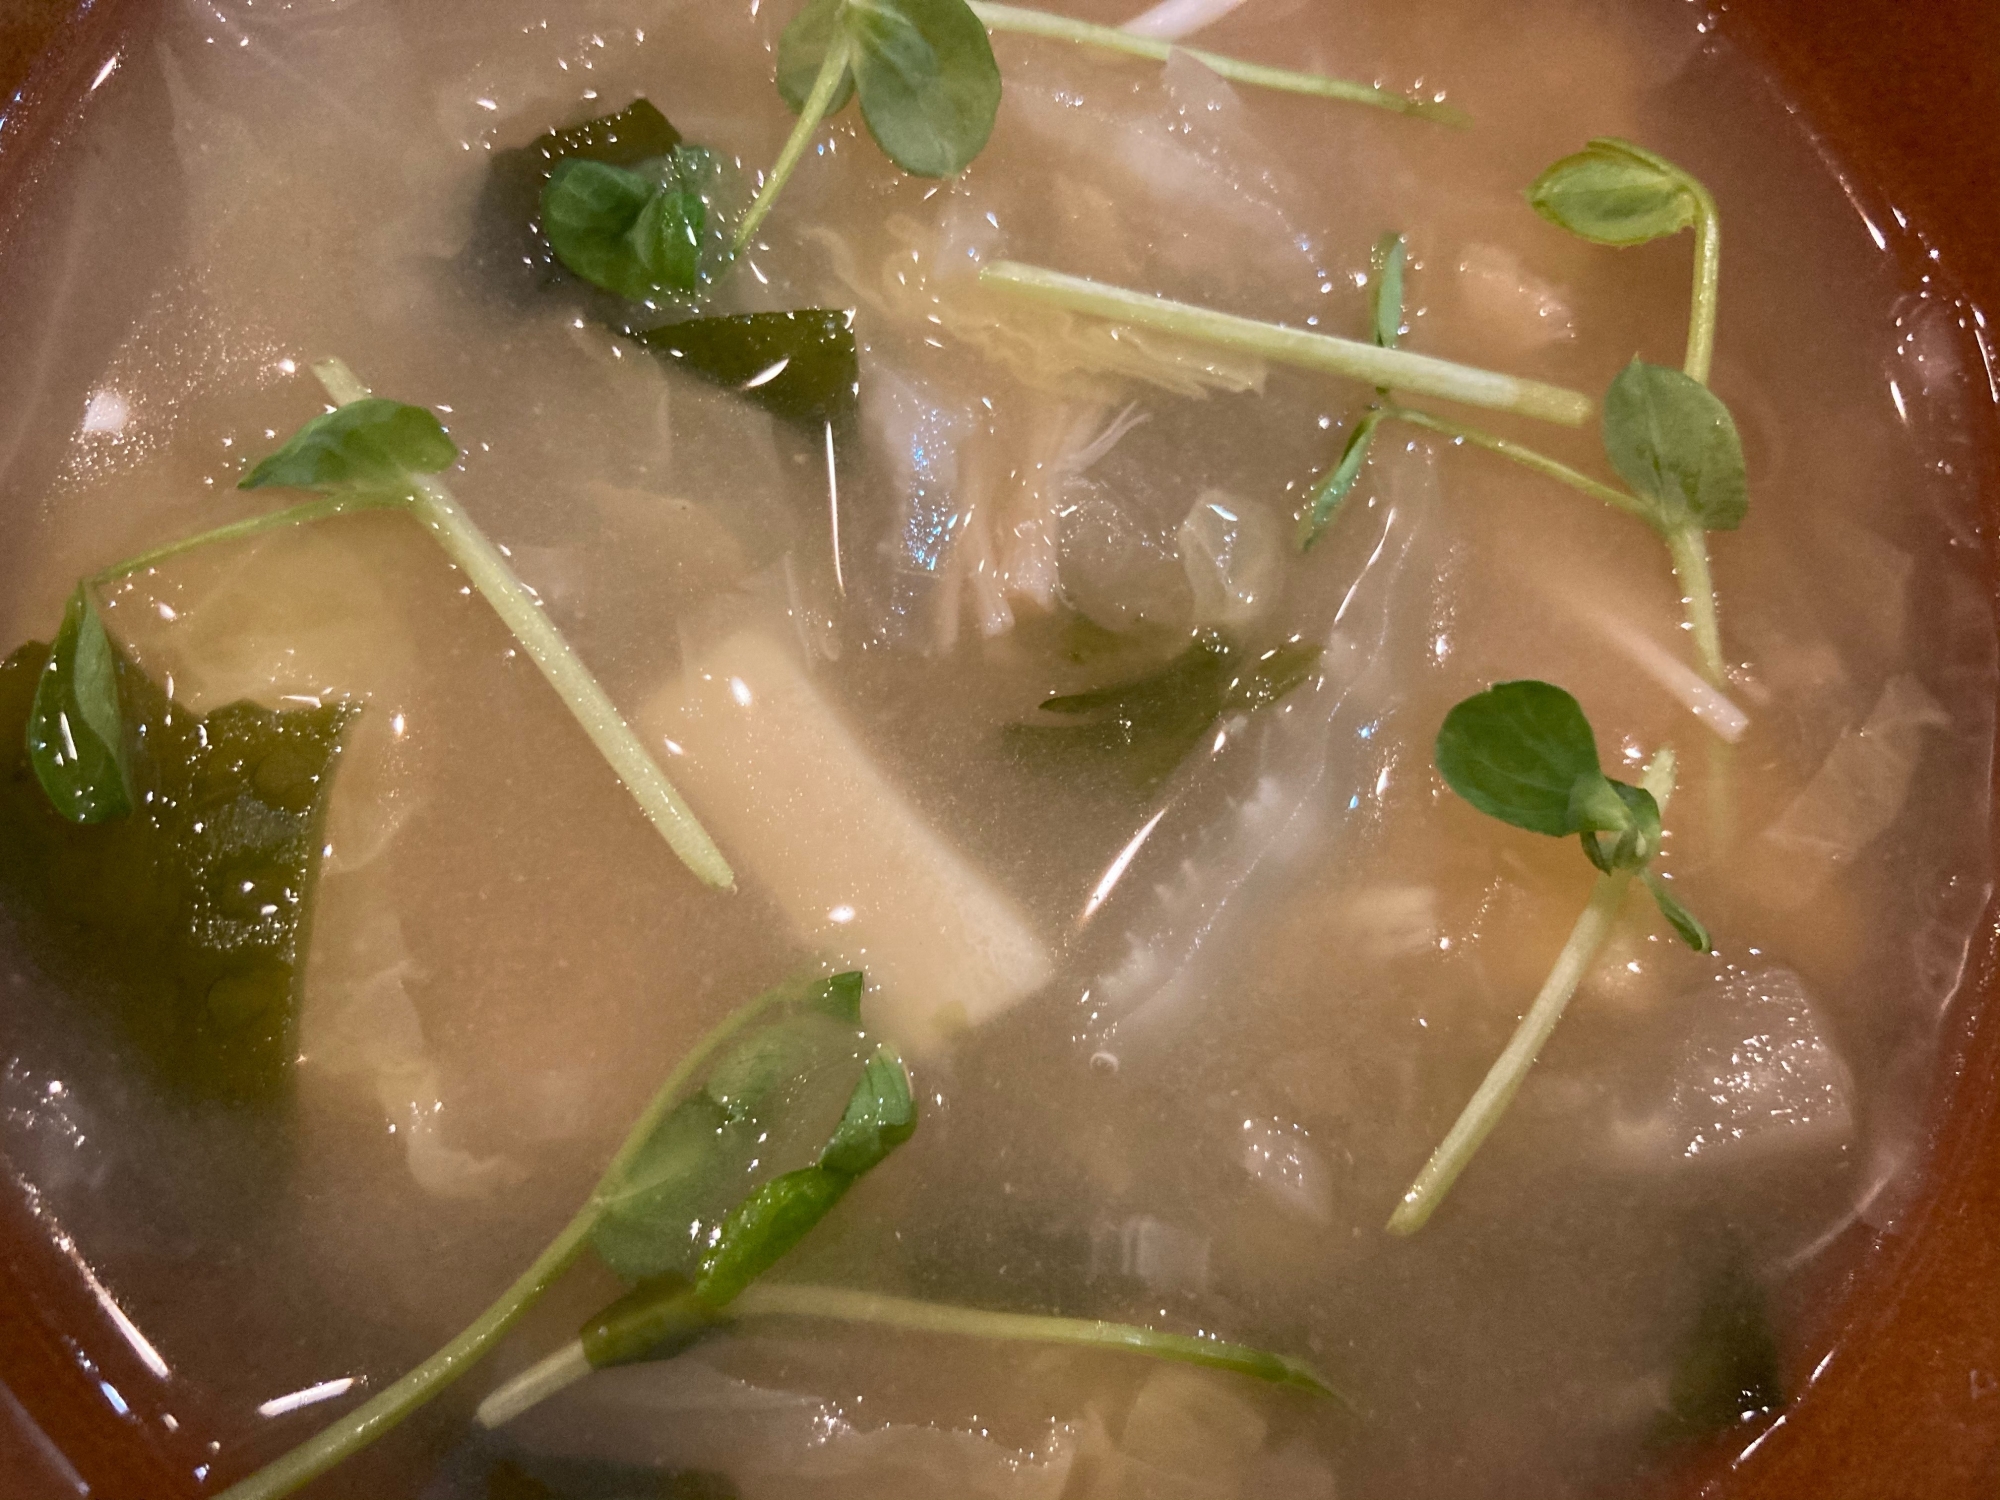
x,y
1178,1048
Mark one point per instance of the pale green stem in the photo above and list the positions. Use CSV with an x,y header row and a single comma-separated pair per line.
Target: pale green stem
x,y
236,531
1707,284
1041,23
385,1410
825,86
837,1304
1503,1080
1368,363
482,563
767,1299
1523,455
1688,545
380,1413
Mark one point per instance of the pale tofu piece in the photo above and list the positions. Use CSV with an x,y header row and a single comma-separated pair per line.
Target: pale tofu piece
x,y
800,809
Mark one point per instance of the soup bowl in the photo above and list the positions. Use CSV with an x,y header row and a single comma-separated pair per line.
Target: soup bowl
x,y
1904,102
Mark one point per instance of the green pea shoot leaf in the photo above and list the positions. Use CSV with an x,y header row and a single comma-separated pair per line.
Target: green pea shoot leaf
x,y
1683,921
639,232
1332,491
802,50
373,446
1674,443
1615,193
1516,752
880,1116
1387,261
75,734
924,70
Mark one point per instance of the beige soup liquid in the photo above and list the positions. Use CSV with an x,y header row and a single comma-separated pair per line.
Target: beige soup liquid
x,y
1179,1051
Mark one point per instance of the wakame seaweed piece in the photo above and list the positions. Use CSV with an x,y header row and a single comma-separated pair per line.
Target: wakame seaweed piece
x,y
800,365
508,236
1147,725
1728,1370
187,919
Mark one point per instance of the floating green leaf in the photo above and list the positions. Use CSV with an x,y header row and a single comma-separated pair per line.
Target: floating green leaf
x,y
187,916
1516,752
1386,262
1684,922
691,1168
508,234
1615,193
657,1319
1147,725
1332,492
1524,753
800,365
75,733
371,445
802,51
641,232
924,69
1675,444
880,1116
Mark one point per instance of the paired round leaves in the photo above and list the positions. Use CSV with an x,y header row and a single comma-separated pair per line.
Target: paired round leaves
x,y
1615,193
373,446
1674,443
76,729
1524,753
636,231
924,70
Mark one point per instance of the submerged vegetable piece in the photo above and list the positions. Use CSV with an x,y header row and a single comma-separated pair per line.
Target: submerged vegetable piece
x,y
1147,725
75,734
187,916
800,365
1728,1371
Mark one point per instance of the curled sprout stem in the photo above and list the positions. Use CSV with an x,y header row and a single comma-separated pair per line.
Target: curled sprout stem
x,y
376,1416
1023,21
568,1364
825,85
1503,1080
1687,545
489,572
1369,363
303,514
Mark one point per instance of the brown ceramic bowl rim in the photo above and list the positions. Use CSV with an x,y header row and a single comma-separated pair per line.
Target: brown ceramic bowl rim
x,y
1895,1409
